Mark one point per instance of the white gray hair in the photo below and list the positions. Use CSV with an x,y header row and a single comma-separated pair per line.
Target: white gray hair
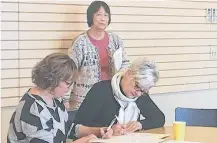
x,y
145,72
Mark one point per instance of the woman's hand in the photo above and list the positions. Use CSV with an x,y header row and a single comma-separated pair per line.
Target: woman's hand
x,y
66,104
133,126
86,139
118,129
106,134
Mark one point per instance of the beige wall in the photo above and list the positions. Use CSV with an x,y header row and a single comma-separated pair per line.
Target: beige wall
x,y
173,33
6,113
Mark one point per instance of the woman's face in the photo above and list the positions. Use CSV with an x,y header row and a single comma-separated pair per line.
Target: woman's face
x,y
100,19
62,89
131,87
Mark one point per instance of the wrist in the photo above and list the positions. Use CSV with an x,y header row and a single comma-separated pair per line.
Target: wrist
x,y
77,130
95,131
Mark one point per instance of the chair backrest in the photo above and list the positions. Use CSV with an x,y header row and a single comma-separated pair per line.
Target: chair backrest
x,y
197,117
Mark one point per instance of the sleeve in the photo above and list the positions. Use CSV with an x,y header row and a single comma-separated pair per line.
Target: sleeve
x,y
71,132
90,107
33,129
125,60
69,125
75,52
154,117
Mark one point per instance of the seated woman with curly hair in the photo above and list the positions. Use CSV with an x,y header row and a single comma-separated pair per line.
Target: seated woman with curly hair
x,y
40,117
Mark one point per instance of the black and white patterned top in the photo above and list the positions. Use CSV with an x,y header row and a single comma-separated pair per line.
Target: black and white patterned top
x,y
35,122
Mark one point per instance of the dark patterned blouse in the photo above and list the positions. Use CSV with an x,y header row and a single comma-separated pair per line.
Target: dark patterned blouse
x,y
35,122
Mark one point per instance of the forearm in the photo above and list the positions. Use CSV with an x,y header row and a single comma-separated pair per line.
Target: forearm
x,y
154,117
84,131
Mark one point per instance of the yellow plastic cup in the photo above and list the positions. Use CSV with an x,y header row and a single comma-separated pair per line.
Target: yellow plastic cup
x,y
179,130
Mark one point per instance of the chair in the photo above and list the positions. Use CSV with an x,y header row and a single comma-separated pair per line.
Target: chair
x,y
197,117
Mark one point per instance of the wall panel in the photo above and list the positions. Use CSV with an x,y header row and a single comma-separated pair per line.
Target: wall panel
x,y
173,33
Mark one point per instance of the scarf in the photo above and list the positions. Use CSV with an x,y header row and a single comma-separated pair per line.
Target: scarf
x,y
128,110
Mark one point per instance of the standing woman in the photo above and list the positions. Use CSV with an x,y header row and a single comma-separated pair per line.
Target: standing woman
x,y
98,54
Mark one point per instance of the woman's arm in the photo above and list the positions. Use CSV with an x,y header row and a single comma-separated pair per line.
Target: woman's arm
x,y
75,52
125,60
154,117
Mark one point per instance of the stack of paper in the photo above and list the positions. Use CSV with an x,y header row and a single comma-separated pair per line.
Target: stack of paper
x,y
134,138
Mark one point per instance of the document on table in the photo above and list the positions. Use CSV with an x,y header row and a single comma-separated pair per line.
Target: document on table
x,y
134,138
173,141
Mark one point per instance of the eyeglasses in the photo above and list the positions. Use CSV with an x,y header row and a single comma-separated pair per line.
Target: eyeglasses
x,y
69,84
139,89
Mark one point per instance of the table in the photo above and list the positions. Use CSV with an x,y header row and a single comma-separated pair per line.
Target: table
x,y
197,134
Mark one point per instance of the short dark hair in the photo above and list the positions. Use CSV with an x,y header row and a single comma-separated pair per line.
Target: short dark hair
x,y
93,8
53,69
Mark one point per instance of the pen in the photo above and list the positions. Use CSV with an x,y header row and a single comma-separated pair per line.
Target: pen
x,y
112,123
117,118
119,121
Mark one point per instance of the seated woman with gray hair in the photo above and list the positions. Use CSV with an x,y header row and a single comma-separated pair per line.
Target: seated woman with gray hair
x,y
125,96
40,117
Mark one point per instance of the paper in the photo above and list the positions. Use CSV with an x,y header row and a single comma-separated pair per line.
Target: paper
x,y
117,56
173,141
134,138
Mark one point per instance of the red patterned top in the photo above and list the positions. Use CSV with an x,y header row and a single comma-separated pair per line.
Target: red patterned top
x,y
103,54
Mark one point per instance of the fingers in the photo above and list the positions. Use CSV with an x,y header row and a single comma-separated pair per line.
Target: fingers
x,y
117,126
109,134
66,104
102,132
132,126
90,137
106,134
124,126
118,129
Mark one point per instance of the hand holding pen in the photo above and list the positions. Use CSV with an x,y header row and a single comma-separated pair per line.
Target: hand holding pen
x,y
118,129
131,126
107,132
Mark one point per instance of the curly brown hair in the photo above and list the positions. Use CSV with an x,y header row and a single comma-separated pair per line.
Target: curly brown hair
x,y
53,69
